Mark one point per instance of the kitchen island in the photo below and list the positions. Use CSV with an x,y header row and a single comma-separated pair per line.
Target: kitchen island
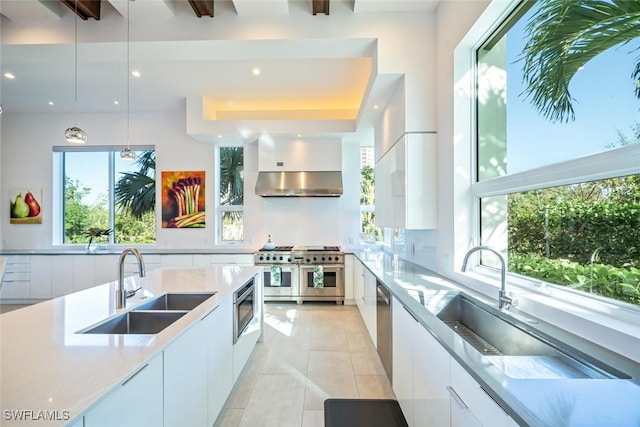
x,y
51,372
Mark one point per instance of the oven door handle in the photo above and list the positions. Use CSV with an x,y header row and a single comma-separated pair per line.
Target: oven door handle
x,y
244,295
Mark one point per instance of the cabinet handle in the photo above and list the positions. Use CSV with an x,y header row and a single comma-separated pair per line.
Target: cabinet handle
x,y
136,373
457,398
494,401
410,313
207,315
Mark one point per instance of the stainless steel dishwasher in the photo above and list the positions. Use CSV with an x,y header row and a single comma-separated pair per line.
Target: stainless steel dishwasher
x,y
384,333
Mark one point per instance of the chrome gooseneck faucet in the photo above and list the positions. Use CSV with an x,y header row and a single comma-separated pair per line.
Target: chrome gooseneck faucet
x,y
504,301
121,295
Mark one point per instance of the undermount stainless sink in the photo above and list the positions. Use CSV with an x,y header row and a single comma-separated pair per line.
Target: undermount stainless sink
x,y
137,322
176,301
518,353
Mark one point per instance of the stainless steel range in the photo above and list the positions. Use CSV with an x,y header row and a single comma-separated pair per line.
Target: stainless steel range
x,y
302,273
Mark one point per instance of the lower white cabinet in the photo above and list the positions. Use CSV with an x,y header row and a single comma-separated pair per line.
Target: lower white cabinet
x,y
185,379
403,326
218,326
137,402
368,309
358,283
469,396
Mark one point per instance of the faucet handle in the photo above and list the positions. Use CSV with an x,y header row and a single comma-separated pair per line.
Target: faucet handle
x,y
130,294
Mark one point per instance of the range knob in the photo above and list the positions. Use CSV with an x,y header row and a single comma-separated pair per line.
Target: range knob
x,y
323,258
268,257
261,258
315,258
289,259
308,260
280,258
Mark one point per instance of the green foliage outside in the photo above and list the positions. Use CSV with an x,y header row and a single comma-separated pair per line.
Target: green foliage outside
x,y
367,198
135,207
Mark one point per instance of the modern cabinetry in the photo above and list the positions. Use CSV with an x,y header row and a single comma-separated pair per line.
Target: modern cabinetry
x,y
176,260
185,379
135,402
218,326
349,261
358,283
406,193
368,309
16,283
41,280
431,387
472,402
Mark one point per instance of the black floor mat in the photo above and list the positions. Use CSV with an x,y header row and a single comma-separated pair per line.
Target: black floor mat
x,y
363,413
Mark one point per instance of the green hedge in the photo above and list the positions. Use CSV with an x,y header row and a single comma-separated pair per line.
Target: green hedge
x,y
621,283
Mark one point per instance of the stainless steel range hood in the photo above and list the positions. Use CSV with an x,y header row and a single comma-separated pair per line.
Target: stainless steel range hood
x,y
299,184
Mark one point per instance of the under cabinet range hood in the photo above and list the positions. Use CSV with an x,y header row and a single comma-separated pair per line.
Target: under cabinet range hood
x,y
299,184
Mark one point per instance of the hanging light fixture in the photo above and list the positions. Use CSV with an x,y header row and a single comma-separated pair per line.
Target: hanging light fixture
x,y
126,153
74,134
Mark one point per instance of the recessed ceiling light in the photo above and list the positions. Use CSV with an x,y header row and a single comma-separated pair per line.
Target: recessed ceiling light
x,y
245,133
135,73
116,102
299,135
50,102
375,107
219,136
256,71
9,75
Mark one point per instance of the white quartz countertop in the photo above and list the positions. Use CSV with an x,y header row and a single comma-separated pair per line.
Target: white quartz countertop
x,y
46,365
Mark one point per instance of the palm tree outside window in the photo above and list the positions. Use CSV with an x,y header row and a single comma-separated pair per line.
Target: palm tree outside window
x,y
231,194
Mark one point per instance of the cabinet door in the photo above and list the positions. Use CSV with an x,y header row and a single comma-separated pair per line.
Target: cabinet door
x,y
185,379
106,269
403,326
218,333
16,283
41,287
349,260
431,372
358,284
62,275
84,272
483,407
176,260
461,416
384,206
369,309
137,402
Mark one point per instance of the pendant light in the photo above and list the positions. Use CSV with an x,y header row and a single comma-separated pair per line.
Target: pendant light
x,y
126,153
74,134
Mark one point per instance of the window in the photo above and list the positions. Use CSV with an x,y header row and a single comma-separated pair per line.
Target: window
x,y
559,193
105,199
368,230
231,191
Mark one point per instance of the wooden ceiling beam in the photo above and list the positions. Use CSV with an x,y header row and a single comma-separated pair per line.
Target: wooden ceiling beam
x,y
202,7
320,6
85,8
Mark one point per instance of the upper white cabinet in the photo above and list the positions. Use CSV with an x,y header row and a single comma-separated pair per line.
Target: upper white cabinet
x,y
406,187
297,154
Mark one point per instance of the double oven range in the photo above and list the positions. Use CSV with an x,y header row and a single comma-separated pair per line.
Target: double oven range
x,y
302,273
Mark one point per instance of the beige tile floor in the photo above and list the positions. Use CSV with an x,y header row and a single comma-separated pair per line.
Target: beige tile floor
x,y
309,353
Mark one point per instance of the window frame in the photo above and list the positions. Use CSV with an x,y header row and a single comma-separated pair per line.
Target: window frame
x,y
221,209
581,313
58,215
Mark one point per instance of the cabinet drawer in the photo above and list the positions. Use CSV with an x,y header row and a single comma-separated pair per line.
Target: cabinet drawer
x,y
17,276
14,267
483,407
17,289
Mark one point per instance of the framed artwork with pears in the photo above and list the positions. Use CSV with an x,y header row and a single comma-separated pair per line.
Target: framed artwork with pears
x,y
25,206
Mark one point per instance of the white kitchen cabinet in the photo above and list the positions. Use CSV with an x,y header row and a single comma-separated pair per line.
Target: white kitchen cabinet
x,y
62,275
218,326
406,192
349,261
185,379
151,262
358,283
368,309
461,415
232,259
431,373
176,260
403,326
479,403
136,402
16,283
84,272
106,269
41,283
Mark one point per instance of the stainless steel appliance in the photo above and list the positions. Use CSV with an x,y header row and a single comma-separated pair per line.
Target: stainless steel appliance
x,y
384,331
243,308
296,265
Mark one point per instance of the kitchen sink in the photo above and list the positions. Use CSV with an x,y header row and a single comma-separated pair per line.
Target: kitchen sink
x,y
176,301
137,322
518,353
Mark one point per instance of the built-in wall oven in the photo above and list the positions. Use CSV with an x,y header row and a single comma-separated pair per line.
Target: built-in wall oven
x,y
244,309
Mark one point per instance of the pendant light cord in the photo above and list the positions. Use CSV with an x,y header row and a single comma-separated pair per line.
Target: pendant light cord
x,y
128,71
75,104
